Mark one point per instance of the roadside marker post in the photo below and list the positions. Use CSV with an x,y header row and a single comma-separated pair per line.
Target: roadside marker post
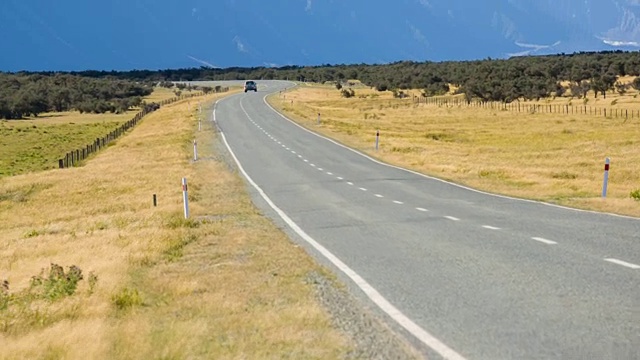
x,y
195,150
185,198
377,139
318,118
606,177
155,200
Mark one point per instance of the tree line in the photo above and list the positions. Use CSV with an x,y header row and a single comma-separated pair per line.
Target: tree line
x,y
506,80
32,94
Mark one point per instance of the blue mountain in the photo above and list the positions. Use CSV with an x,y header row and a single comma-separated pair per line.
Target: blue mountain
x,y
159,34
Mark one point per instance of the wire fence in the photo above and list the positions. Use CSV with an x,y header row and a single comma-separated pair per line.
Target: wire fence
x,y
74,157
532,108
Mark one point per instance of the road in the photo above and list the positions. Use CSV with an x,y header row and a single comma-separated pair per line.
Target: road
x,y
467,275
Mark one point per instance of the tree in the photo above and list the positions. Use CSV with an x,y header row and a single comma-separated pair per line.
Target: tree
x,y
621,88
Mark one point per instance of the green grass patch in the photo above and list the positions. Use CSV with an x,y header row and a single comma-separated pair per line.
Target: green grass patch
x,y
35,145
127,298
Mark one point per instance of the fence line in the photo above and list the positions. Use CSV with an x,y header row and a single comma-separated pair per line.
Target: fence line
x,y
533,108
73,157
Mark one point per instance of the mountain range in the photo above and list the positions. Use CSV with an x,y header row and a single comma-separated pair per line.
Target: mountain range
x,y
44,35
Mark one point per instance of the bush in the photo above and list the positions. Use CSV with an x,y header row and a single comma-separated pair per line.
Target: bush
x,y
635,194
348,93
338,86
57,284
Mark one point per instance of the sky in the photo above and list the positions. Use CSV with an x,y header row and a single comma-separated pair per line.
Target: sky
x,y
68,35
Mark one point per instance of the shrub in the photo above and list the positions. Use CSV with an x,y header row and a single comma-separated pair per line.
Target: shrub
x,y
57,284
635,194
348,93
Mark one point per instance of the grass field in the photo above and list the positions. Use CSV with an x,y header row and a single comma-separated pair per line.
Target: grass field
x,y
225,284
161,93
557,158
35,144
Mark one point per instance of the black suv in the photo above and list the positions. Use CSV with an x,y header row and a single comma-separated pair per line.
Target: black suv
x,y
250,85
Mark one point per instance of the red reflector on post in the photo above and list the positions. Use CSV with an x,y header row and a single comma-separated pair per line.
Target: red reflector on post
x,y
184,187
606,167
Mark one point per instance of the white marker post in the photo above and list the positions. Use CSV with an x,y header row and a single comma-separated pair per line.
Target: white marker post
x,y
606,177
318,118
195,150
185,198
377,138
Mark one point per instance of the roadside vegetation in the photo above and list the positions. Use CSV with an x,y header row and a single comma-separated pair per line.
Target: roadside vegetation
x,y
504,80
558,158
90,268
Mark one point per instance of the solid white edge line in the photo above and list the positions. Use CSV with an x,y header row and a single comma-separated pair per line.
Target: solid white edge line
x,y
373,294
264,99
543,240
623,263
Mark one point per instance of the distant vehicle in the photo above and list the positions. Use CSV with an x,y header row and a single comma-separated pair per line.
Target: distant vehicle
x,y
250,85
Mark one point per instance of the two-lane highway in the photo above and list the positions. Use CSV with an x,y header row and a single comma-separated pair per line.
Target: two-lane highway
x,y
470,275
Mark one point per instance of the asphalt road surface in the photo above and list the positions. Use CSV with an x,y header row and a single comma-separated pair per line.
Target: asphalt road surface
x,y
465,274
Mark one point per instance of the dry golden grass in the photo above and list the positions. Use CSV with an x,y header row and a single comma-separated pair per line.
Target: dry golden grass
x,y
161,93
226,284
557,158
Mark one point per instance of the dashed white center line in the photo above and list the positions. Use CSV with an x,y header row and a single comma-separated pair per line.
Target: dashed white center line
x,y
293,152
422,209
300,156
320,169
349,182
490,227
340,178
398,202
328,173
623,263
305,160
363,189
380,196
313,165
452,218
543,240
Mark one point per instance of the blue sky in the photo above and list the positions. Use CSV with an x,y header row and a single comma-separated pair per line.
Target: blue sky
x,y
160,34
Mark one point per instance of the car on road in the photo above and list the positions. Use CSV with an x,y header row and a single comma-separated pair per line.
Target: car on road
x,y
250,85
